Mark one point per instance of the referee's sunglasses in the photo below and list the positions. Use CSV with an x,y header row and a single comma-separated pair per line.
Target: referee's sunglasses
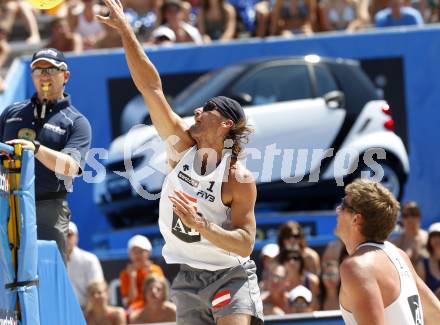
x,y
50,71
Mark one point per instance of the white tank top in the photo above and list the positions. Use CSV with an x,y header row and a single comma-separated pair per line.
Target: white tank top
x,y
88,28
407,308
184,245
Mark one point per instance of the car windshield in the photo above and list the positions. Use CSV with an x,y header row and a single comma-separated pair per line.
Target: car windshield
x,y
207,86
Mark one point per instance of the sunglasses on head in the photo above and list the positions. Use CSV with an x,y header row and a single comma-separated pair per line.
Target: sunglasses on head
x,y
50,71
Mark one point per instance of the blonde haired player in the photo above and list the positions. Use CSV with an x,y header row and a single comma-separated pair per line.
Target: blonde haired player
x,y
378,282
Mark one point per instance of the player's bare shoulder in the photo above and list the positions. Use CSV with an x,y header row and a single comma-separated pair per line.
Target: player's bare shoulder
x,y
239,174
239,183
351,263
354,268
367,263
176,148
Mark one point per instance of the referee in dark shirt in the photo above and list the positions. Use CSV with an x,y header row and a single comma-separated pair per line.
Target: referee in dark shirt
x,y
57,133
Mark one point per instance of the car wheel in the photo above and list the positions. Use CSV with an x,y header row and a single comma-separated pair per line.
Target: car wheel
x,y
393,176
392,181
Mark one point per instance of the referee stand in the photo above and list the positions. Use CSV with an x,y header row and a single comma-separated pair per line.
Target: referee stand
x,y
34,286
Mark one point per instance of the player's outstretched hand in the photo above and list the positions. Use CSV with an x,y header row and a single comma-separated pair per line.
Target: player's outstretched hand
x,y
116,17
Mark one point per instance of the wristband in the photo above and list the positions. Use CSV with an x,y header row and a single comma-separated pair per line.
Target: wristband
x,y
37,145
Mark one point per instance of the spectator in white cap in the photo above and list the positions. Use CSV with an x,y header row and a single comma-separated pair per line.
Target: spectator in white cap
x,y
429,267
138,269
300,300
163,35
83,267
269,253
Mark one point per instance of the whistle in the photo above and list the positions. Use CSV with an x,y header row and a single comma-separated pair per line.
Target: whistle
x,y
45,87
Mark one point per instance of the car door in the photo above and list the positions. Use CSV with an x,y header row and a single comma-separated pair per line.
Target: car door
x,y
293,127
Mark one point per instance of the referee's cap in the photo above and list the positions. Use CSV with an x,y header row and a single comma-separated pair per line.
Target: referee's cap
x,y
51,55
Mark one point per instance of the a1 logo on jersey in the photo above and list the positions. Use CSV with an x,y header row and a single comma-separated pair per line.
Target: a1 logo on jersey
x,y
414,305
184,233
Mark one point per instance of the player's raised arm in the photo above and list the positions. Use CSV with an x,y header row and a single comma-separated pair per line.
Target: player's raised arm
x,y
146,78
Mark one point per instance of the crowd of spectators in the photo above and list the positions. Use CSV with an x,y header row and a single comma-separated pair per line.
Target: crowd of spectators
x,y
294,278
72,26
143,286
